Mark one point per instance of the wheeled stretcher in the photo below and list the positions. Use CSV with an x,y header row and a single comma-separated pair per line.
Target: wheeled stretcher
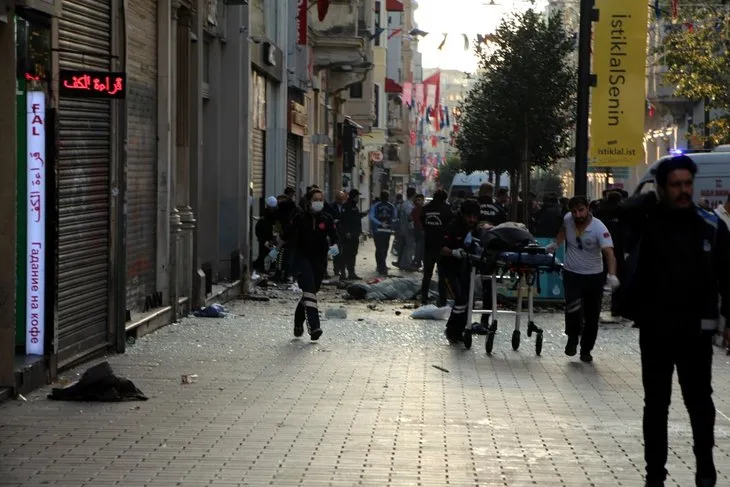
x,y
522,268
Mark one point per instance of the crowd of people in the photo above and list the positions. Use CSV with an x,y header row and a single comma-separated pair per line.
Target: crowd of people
x,y
671,254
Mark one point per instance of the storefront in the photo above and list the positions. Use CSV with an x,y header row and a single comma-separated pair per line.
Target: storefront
x,y
88,91
36,210
258,139
298,129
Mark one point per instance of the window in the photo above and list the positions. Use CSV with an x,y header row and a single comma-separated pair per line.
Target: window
x,y
356,91
376,102
377,23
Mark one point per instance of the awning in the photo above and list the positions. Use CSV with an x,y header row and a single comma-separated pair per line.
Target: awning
x,y
393,6
392,87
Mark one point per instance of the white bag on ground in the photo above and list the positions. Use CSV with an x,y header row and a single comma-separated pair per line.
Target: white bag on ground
x,y
431,312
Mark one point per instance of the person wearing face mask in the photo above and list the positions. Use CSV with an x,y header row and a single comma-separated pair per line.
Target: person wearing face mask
x,y
588,242
678,264
313,237
457,240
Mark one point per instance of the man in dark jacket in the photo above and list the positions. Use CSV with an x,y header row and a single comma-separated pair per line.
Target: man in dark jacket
x,y
350,231
608,214
336,210
435,219
549,218
679,257
490,214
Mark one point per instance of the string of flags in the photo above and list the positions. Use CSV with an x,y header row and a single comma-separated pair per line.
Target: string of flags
x,y
415,34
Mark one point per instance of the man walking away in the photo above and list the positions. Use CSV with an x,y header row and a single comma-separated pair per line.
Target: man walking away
x,y
351,225
435,218
678,264
587,243
407,249
383,216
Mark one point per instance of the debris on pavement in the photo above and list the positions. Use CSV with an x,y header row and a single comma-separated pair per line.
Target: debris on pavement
x,y
336,314
431,312
403,289
440,368
22,398
99,384
214,310
188,378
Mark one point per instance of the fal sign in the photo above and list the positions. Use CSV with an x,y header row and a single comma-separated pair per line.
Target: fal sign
x,y
35,252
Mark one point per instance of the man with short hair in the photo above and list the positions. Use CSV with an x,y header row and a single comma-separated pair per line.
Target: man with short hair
x,y
351,224
383,217
336,211
435,219
679,261
587,242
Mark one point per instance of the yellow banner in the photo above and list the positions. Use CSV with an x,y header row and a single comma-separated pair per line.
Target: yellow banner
x,y
618,102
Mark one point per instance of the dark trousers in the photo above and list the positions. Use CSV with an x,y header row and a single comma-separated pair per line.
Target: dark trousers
x,y
382,242
583,297
457,282
661,350
348,256
310,272
431,260
420,248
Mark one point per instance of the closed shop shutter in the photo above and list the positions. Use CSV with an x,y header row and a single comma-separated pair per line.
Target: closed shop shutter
x,y
141,153
292,159
258,164
84,140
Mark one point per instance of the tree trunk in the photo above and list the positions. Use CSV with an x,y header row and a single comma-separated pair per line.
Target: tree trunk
x,y
525,170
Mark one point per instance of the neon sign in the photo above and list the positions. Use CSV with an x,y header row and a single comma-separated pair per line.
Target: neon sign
x,y
92,84
36,226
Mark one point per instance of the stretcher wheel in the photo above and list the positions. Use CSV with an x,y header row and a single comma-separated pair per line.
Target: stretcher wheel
x,y
538,344
490,342
515,340
467,339
530,327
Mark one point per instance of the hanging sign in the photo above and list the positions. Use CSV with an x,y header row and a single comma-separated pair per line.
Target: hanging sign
x,y
92,84
36,226
618,101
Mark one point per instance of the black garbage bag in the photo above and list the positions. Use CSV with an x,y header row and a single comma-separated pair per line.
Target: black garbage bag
x,y
99,384
507,237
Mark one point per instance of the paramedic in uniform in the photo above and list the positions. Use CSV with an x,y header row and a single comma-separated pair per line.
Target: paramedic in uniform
x,y
587,243
456,271
435,218
491,214
681,257
383,216
313,236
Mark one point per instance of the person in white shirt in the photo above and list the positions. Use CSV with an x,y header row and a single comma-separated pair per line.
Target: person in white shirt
x,y
588,242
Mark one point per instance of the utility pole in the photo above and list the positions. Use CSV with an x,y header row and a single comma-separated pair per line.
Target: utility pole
x,y
587,16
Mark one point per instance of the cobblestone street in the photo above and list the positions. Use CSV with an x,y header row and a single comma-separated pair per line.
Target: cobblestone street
x,y
366,405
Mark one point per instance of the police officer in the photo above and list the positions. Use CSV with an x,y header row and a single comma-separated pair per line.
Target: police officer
x,y
492,214
453,251
383,216
679,256
435,218
313,236
350,231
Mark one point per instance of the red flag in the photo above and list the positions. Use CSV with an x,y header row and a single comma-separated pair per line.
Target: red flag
x,y
675,9
435,80
322,8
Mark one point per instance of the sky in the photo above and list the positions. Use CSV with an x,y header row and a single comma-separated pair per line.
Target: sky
x,y
457,17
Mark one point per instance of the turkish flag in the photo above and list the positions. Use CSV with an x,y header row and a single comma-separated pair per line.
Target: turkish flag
x,y
322,8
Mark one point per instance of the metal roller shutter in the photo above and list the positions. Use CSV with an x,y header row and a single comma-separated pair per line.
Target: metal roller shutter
x,y
84,140
141,152
258,163
292,153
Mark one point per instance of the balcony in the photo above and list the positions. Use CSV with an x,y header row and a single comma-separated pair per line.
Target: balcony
x,y
396,121
340,41
657,91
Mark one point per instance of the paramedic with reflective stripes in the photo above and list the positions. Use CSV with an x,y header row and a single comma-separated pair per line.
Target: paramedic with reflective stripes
x,y
678,263
587,242
313,236
456,269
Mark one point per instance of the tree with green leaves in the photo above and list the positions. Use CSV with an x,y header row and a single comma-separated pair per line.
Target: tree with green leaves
x,y
520,113
696,53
